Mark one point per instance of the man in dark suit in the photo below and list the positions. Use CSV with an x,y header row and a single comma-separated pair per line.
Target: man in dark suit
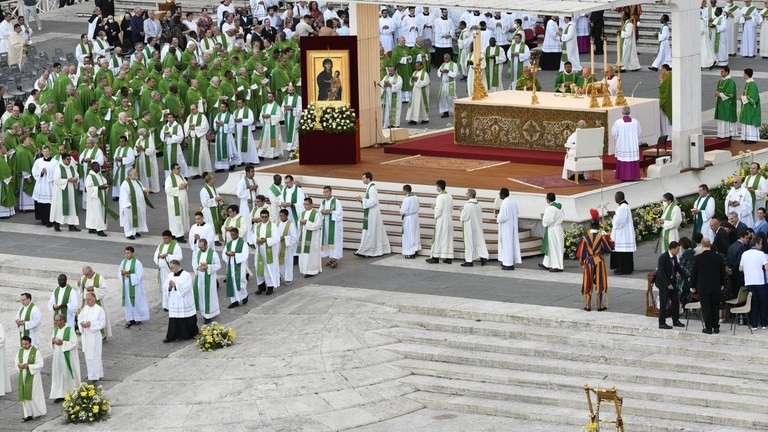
x,y
596,22
738,226
668,274
722,237
707,279
733,255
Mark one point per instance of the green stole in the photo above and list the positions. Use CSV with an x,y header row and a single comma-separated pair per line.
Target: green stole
x,y
134,207
96,283
307,233
65,337
209,260
272,126
717,35
245,132
25,383
520,64
290,117
259,259
194,142
451,80
170,159
698,221
129,265
222,148
755,183
331,235
275,190
492,77
668,217
171,248
424,92
293,200
366,210
214,210
66,207
393,100
64,300
102,194
176,202
87,154
564,54
545,240
233,280
237,225
27,317
120,172
281,255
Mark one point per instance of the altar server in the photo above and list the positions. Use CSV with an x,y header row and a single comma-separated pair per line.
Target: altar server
x,y
626,131
309,241
224,127
266,237
664,55
553,243
244,120
739,201
332,244
703,210
623,233
750,19
472,230
205,265
64,205
177,203
133,206
442,240
519,56
131,276
494,60
386,30
235,255
409,213
374,240
271,145
757,186
92,320
552,48
182,316
725,105
28,319
65,363
418,107
670,221
629,59
750,110
196,129
201,230
391,85
570,48
590,250
64,300
446,93
31,393
509,238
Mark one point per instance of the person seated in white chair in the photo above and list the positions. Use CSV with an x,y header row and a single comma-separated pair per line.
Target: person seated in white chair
x,y
570,144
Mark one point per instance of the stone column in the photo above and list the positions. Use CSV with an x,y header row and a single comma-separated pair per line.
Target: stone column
x,y
364,22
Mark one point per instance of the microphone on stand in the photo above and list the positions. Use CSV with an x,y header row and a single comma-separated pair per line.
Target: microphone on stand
x,y
633,90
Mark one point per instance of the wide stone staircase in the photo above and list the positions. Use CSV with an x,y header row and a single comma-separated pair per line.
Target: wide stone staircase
x,y
531,363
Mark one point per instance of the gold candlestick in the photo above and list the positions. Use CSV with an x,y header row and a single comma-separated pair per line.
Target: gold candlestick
x,y
620,100
593,93
606,96
534,97
478,89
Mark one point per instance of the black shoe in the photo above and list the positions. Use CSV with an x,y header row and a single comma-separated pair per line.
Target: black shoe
x,y
181,240
706,331
116,199
219,171
49,225
231,168
653,69
233,305
555,270
602,308
74,228
101,234
678,324
245,301
448,261
483,261
270,290
131,238
218,243
412,122
138,234
167,340
58,400
467,264
433,260
507,267
91,231
247,277
56,227
26,419
262,288
445,115
165,309
207,321
665,326
716,330
542,266
129,324
424,121
308,276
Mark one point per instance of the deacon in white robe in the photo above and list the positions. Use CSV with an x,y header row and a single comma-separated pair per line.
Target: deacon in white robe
x,y
201,230
235,255
374,240
206,264
244,120
178,203
446,93
570,46
739,200
182,315
418,107
707,53
133,207
123,160
292,199
64,205
750,19
131,276
146,160
5,370
196,129
332,244
442,239
246,191
732,14
472,226
391,86
703,210
552,221
168,250
519,58
757,186
266,261
509,240
629,59
224,127
64,301
409,213
28,319
310,238
95,213
65,363
623,235
664,55
172,135
271,143
288,237
720,40
292,114
494,71
42,171
31,393
94,282
91,320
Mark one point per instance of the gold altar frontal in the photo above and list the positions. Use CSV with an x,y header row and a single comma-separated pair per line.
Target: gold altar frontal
x,y
507,119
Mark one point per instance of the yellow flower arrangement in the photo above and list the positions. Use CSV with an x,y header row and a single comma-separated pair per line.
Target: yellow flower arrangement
x,y
214,336
591,427
85,404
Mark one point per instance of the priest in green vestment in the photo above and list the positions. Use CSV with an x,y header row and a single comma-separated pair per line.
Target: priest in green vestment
x,y
665,99
750,110
403,63
566,78
7,195
725,105
526,82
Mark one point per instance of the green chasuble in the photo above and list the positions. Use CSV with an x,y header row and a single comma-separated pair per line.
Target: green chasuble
x,y
71,109
60,131
665,96
10,121
32,121
404,70
212,99
60,91
162,86
7,195
384,63
203,82
84,96
173,104
567,79
279,82
227,88
23,160
525,83
750,107
415,51
118,130
156,117
726,109
193,96
145,99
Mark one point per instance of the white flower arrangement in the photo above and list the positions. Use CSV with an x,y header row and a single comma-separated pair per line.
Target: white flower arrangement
x,y
332,119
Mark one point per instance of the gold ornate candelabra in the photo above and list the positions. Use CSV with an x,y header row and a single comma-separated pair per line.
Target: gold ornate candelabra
x,y
478,89
620,100
534,68
606,96
593,93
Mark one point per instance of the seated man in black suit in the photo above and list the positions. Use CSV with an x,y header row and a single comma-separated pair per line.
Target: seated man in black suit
x,y
668,274
707,279
722,236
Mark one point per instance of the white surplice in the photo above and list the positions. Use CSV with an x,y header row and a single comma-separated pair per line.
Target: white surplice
x,y
91,339
552,221
442,240
205,231
65,376
332,246
288,237
43,180
174,251
35,407
57,298
196,138
207,299
509,239
627,138
126,208
472,224
181,298
390,100
310,237
374,240
409,212
623,232
750,19
418,108
177,223
31,326
138,309
744,208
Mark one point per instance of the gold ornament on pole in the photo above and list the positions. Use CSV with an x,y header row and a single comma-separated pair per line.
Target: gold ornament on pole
x,y
534,68
318,114
478,88
620,100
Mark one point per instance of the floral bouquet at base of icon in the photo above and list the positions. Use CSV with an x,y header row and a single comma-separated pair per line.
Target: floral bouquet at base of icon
x,y
591,427
333,119
85,404
293,154
214,336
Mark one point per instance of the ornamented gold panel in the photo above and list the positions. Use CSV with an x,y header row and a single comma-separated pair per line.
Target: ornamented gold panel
x,y
533,128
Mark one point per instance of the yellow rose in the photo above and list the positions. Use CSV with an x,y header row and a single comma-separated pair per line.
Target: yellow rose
x,y
66,397
92,393
209,339
77,408
83,393
95,409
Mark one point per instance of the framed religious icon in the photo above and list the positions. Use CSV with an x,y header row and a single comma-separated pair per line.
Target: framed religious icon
x,y
328,77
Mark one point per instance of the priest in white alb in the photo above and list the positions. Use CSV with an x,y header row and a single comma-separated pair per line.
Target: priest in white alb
x,y
266,237
509,238
96,210
629,59
64,300
446,93
64,205
65,363
246,191
391,86
374,240
418,107
670,220
235,260
271,143
757,186
182,315
133,207
292,109
146,159
123,160
172,135
205,265
92,320
570,45
288,237
178,203
553,243
292,199
519,56
739,200
196,129
703,211
131,277
471,218
442,239
224,128
495,59
332,243
310,237
409,213
28,319
244,121
30,380
750,19
92,282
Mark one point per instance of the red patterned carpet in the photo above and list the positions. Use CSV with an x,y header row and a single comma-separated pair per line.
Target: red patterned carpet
x,y
443,145
556,181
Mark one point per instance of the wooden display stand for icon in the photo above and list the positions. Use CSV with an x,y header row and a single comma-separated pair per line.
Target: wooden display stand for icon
x,y
607,395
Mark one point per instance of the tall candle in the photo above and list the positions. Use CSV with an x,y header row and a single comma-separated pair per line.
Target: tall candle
x,y
477,49
605,54
618,51
592,55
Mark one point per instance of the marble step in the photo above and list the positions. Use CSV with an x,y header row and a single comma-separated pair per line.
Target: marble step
x,y
585,370
637,358
575,399
577,417
703,349
629,390
13,284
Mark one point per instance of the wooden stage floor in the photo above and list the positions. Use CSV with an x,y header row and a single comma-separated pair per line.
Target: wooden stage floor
x,y
493,177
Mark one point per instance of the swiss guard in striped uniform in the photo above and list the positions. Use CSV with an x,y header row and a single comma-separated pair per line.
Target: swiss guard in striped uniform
x,y
590,252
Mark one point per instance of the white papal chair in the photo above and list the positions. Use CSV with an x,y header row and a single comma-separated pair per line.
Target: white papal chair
x,y
588,153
